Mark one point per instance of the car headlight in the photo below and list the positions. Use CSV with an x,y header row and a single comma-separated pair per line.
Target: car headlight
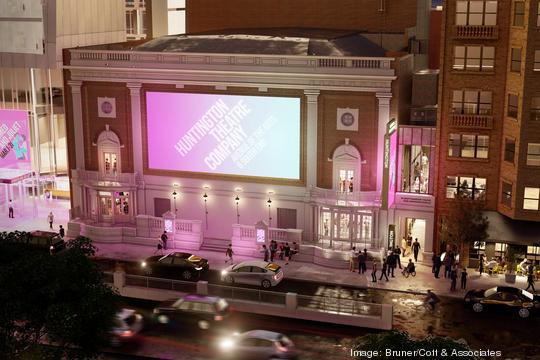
x,y
143,264
224,272
198,268
226,344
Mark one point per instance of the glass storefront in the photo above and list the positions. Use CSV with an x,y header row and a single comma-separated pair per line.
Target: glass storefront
x,y
416,162
342,228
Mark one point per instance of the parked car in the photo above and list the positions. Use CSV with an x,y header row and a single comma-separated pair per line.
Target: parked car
x,y
205,312
505,298
47,241
258,344
176,265
127,324
253,272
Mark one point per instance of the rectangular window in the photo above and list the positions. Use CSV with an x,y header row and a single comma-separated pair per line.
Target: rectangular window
x,y
500,248
506,195
536,66
531,197
515,65
474,58
512,106
468,146
519,13
471,102
476,12
509,150
468,187
533,154
535,109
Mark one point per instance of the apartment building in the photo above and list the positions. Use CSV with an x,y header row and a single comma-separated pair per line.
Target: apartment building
x,y
489,117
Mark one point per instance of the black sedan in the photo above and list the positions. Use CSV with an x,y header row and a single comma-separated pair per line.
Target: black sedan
x,y
504,298
176,265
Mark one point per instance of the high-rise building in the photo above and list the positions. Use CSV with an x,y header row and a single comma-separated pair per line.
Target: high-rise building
x,y
489,122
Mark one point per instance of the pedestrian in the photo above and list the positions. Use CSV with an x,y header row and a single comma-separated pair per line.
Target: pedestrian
x,y
453,278
10,210
287,251
463,278
404,246
50,219
266,253
281,251
164,239
397,252
273,250
530,282
431,299
352,257
384,270
62,231
295,249
374,271
447,265
229,254
392,262
433,259
361,263
481,264
416,249
437,264
366,258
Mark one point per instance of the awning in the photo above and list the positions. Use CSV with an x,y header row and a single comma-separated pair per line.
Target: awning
x,y
506,230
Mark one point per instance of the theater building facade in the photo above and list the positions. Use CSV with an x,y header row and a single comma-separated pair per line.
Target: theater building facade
x,y
269,141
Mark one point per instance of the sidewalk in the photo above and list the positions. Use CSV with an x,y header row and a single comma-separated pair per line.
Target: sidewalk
x,y
423,280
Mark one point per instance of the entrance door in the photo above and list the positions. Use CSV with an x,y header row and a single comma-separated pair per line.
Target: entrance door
x,y
416,229
105,208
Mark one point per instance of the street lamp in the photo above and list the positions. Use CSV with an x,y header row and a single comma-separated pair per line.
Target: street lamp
x,y
237,200
205,197
269,202
174,195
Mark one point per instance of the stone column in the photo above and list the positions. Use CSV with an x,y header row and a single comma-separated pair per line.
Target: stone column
x,y
384,117
78,129
311,137
136,134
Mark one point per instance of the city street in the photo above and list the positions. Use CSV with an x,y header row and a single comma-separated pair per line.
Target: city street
x,y
482,331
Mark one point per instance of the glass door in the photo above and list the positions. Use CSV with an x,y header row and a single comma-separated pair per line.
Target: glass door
x,y
105,207
346,180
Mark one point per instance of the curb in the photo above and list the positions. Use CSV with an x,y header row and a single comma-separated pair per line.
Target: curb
x,y
132,356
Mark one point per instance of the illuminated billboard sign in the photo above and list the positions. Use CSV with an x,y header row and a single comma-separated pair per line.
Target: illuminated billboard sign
x,y
390,165
14,140
224,134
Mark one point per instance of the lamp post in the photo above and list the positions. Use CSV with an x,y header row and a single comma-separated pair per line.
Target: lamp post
x,y
174,194
205,197
237,200
269,202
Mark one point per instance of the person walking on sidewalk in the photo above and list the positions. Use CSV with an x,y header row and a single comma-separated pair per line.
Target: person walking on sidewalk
x,y
62,232
164,239
453,277
287,251
463,278
229,254
392,262
266,253
481,265
294,249
384,270
352,258
437,265
50,219
273,250
361,263
416,249
447,265
374,271
10,209
530,282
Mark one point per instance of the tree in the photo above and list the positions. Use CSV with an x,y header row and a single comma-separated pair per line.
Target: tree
x,y
59,300
464,224
398,340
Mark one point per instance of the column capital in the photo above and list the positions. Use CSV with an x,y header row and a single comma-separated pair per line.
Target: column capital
x,y
312,95
134,88
384,98
75,86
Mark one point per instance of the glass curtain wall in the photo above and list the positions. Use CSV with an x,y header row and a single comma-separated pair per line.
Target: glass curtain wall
x,y
40,92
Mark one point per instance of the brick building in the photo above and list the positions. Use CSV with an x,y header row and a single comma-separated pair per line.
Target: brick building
x,y
489,128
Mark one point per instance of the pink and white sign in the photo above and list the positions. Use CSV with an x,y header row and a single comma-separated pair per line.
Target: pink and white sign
x,y
224,134
14,140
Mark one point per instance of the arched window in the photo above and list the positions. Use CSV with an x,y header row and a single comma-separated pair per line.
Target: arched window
x,y
109,155
346,167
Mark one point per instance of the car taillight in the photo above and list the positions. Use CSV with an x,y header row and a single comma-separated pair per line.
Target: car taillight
x,y
218,317
126,333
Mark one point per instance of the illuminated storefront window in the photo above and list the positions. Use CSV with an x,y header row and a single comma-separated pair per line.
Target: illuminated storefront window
x,y
416,149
